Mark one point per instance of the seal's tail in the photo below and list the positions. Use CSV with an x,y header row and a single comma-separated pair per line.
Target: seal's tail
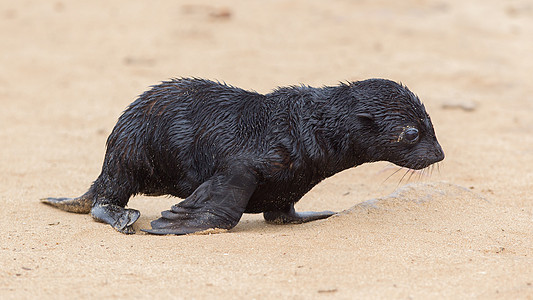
x,y
80,205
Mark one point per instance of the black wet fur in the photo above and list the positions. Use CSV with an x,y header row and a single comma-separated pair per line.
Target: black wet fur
x,y
229,151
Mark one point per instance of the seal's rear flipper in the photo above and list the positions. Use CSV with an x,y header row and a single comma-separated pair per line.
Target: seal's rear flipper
x,y
290,216
118,217
80,205
216,204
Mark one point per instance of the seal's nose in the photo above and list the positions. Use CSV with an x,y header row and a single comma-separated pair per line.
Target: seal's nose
x,y
439,154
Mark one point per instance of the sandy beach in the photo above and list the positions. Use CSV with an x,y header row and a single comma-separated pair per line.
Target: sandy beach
x,y
462,231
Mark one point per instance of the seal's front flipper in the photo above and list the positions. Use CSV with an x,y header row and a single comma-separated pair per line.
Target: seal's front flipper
x,y
290,216
118,217
216,204
80,205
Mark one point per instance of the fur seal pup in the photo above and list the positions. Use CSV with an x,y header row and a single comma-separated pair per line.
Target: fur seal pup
x,y
229,151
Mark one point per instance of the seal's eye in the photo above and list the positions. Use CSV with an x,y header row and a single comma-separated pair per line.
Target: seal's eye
x,y
410,135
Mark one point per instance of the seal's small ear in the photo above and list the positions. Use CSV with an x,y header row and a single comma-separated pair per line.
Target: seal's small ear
x,y
366,116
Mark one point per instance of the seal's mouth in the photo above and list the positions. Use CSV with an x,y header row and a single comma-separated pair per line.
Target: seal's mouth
x,y
418,160
421,166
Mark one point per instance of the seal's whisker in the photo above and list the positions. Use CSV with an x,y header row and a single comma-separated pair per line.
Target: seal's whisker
x,y
401,179
399,169
420,174
387,167
412,173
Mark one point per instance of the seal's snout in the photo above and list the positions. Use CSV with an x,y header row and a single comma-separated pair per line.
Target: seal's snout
x,y
438,153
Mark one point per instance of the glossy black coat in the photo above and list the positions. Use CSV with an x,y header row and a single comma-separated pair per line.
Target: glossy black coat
x,y
264,151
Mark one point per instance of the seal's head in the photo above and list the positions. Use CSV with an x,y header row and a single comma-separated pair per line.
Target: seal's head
x,y
401,130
